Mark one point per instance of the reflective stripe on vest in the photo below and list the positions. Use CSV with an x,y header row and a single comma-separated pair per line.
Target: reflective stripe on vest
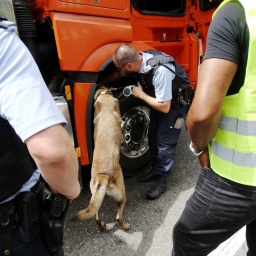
x,y
233,149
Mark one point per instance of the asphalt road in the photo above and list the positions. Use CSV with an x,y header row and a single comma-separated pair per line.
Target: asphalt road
x,y
151,221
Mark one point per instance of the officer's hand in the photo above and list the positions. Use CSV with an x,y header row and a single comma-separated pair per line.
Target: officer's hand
x,y
137,90
204,159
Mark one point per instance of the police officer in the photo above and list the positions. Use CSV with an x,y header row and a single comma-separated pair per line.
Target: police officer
x,y
160,81
32,135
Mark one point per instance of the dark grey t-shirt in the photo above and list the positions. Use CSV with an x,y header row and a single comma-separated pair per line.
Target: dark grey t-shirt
x,y
228,38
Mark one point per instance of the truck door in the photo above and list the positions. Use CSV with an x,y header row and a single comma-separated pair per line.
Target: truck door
x,y
202,17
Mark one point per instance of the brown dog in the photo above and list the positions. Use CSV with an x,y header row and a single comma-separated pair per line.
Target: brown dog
x,y
106,172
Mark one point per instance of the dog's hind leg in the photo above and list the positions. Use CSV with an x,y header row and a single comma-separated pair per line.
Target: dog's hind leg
x,y
117,192
101,225
98,190
119,217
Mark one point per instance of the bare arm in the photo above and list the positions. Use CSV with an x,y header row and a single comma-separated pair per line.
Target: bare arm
x,y
56,159
152,102
215,77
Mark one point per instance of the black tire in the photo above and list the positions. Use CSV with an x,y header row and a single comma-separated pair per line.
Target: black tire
x,y
134,154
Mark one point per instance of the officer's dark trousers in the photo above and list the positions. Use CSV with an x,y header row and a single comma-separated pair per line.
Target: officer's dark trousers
x,y
34,248
217,209
163,139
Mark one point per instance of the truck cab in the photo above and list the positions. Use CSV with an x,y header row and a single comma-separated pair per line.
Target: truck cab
x,y
73,42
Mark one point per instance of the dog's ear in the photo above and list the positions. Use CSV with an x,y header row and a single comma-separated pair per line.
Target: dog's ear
x,y
96,95
116,106
97,105
96,118
117,116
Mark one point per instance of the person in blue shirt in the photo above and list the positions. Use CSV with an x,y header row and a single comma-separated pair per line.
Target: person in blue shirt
x,y
33,143
158,88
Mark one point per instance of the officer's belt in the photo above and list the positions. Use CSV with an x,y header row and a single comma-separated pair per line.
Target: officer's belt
x,y
11,215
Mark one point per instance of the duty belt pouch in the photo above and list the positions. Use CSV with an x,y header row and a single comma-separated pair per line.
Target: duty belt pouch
x,y
29,215
185,96
8,222
53,221
59,210
8,217
179,123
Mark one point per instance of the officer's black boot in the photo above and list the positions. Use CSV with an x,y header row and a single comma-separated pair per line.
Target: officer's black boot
x,y
159,187
148,177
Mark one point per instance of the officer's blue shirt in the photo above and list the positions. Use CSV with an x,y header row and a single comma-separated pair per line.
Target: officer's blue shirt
x,y
25,100
162,79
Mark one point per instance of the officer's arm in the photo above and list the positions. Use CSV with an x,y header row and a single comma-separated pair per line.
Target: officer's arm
x,y
215,77
152,102
56,159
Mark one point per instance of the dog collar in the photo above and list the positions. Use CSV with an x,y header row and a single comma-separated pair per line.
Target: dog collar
x,y
103,92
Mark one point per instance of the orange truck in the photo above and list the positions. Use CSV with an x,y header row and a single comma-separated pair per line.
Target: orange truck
x,y
72,42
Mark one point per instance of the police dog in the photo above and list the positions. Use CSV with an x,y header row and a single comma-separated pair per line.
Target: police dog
x,y
106,172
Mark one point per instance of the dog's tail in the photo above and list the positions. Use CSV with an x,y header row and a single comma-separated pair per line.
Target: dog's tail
x,y
96,200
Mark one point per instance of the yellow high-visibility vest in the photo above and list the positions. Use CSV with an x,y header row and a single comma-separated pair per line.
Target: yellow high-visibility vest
x,y
233,150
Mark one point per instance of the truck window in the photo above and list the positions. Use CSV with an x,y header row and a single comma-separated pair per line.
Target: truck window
x,y
206,5
160,7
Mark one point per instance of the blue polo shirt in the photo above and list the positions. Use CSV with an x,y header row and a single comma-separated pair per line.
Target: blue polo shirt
x,y
162,79
25,100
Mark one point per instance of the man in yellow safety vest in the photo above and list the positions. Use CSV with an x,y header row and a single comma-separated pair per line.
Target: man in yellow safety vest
x,y
222,127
